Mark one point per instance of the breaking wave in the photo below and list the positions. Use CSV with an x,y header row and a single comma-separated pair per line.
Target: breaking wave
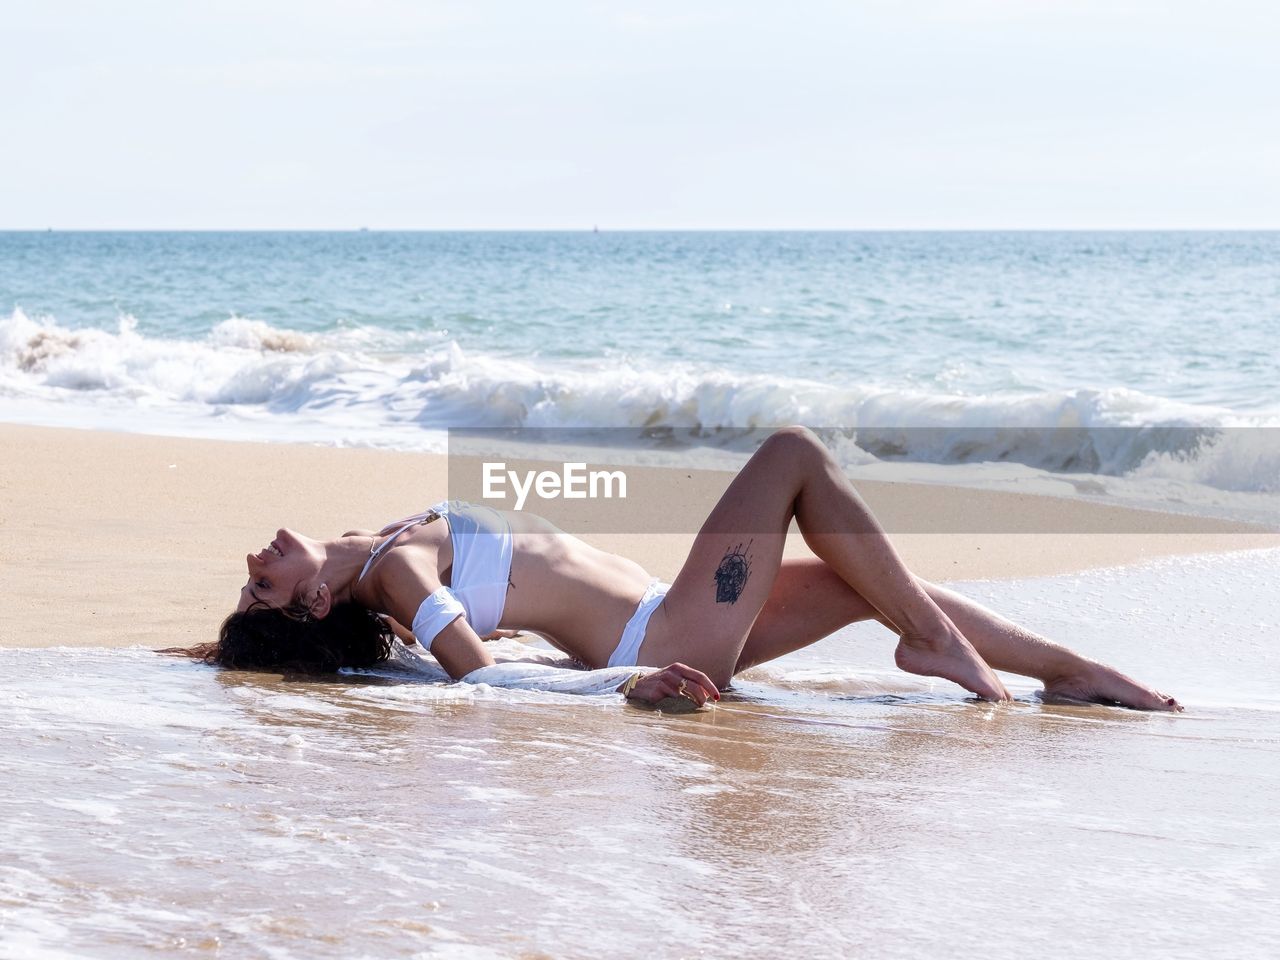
x,y
378,387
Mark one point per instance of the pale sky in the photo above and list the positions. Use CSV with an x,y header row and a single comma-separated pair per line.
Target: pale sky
x,y
552,114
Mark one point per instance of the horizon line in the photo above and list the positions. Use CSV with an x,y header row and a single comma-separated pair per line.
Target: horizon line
x,y
597,230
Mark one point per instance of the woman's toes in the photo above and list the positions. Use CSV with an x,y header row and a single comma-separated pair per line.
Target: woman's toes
x,y
1112,687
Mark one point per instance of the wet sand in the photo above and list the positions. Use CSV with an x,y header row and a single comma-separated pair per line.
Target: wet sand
x,y
113,539
829,803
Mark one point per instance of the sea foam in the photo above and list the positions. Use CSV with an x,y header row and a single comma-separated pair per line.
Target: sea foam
x,y
363,386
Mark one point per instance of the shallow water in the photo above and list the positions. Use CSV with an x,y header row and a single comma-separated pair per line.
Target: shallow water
x,y
830,806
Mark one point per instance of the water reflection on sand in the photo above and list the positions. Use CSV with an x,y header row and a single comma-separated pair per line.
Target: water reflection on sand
x,y
164,805
152,805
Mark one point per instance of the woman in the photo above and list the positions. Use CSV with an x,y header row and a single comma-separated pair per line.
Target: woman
x,y
312,604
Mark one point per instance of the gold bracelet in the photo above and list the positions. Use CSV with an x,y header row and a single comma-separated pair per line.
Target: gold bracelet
x,y
631,684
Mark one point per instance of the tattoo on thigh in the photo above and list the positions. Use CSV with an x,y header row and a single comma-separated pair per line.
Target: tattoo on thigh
x,y
732,574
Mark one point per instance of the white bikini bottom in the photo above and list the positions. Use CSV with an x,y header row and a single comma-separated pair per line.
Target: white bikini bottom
x,y
628,648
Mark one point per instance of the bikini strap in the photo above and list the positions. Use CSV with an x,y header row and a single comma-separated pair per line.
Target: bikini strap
x,y
418,521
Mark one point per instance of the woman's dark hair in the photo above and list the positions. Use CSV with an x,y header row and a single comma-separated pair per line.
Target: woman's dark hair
x,y
263,638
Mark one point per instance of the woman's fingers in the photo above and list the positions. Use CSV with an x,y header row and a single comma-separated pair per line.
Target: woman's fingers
x,y
696,678
690,683
677,680
690,691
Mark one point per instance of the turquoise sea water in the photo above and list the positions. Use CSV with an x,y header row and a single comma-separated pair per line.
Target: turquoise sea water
x,y
389,338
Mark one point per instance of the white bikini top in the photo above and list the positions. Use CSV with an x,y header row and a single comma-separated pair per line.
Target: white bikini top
x,y
482,551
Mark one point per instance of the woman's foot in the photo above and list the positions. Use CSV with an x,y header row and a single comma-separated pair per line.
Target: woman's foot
x,y
1096,683
953,658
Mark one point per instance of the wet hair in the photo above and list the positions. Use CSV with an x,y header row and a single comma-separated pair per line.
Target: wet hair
x,y
270,638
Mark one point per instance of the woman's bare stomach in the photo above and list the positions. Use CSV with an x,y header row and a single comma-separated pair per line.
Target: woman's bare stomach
x,y
576,595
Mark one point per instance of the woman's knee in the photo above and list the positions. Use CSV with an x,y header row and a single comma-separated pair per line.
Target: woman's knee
x,y
794,444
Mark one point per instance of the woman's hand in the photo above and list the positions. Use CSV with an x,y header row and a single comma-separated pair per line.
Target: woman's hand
x,y
676,680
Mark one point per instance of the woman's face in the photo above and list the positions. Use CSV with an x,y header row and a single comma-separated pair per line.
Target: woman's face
x,y
281,571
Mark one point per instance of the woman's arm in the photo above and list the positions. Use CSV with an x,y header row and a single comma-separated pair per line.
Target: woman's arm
x,y
649,686
412,595
401,631
459,650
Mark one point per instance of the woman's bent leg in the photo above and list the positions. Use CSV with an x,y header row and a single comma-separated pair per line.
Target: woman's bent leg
x,y
1007,646
729,574
809,601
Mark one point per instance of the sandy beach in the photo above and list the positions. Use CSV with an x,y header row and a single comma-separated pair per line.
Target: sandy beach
x,y
155,805
112,539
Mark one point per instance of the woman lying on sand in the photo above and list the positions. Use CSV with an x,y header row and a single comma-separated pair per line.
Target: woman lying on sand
x,y
316,605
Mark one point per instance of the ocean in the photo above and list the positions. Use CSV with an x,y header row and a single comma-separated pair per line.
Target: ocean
x,y
1133,367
